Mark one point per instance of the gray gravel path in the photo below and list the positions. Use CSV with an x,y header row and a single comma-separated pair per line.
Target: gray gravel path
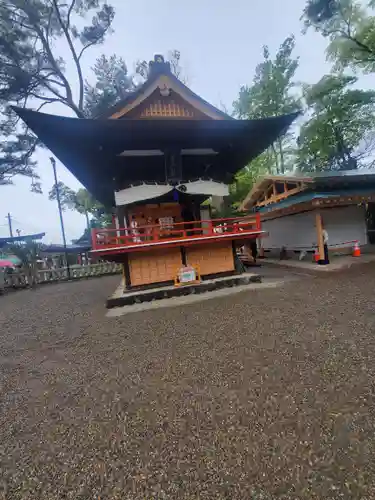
x,y
265,394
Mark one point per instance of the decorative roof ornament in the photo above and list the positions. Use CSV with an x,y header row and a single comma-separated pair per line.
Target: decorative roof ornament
x,y
165,90
158,66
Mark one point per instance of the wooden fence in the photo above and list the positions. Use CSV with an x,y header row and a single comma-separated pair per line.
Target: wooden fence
x,y
22,279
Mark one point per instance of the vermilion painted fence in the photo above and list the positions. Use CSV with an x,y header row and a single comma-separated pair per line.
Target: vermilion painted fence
x,y
176,232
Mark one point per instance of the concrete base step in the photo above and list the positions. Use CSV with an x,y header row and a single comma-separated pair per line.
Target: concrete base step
x,y
121,298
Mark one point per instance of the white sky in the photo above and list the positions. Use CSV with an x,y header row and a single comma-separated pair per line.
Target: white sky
x,y
220,43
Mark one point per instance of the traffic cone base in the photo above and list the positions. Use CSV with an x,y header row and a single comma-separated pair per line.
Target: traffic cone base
x,y
316,255
356,250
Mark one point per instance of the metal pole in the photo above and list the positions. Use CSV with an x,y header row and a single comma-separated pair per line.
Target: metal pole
x,y
9,217
53,163
88,222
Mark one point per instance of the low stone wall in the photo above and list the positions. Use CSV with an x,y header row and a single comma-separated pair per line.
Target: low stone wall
x,y
22,279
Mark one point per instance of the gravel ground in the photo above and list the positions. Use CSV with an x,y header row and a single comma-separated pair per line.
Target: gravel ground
x,y
262,395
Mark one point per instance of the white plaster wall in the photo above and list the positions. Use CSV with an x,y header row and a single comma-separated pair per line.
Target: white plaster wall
x,y
294,231
290,231
345,224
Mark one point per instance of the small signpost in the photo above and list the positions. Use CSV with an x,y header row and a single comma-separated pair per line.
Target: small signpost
x,y
187,275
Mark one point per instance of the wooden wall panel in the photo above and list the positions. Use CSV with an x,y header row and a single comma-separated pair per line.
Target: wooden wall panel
x,y
155,211
154,266
211,258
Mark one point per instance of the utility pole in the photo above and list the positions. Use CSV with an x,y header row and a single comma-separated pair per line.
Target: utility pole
x,y
87,219
53,163
9,217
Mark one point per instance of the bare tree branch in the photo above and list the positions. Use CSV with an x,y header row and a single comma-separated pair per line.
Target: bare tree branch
x,y
69,13
47,48
94,42
73,51
30,68
47,102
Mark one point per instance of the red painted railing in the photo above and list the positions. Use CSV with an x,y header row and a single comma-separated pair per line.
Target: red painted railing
x,y
176,232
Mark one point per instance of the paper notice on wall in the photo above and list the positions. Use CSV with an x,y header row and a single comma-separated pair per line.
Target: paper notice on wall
x,y
166,222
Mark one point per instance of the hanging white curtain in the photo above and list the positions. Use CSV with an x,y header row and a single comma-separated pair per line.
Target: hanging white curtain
x,y
142,192
208,187
139,193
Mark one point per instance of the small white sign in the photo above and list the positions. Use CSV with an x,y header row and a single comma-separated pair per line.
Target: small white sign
x,y
187,274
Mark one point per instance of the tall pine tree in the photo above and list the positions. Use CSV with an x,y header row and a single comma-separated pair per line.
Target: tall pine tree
x,y
31,72
338,134
272,93
349,26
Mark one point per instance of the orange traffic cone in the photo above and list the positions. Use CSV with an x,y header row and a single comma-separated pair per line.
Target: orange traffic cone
x,y
316,255
356,250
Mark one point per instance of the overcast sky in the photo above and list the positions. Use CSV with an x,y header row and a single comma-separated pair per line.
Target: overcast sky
x,y
220,43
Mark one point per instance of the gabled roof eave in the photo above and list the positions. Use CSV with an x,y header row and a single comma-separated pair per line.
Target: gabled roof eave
x,y
139,95
265,181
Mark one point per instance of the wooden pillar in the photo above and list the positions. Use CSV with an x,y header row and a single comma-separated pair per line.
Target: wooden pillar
x,y
319,234
126,272
235,261
120,211
123,220
183,256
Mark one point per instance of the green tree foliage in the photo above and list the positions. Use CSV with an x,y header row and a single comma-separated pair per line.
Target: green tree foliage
x,y
349,26
33,74
67,196
112,84
338,135
319,11
82,202
31,70
113,81
272,93
247,177
86,235
27,252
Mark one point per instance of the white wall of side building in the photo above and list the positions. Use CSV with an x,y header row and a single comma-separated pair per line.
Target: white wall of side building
x,y
343,224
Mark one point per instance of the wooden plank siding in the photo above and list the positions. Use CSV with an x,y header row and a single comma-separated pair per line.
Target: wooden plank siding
x,y
158,266
154,266
211,259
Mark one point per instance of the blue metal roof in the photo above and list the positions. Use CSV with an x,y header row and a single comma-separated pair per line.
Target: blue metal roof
x,y
69,248
26,237
310,196
330,174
